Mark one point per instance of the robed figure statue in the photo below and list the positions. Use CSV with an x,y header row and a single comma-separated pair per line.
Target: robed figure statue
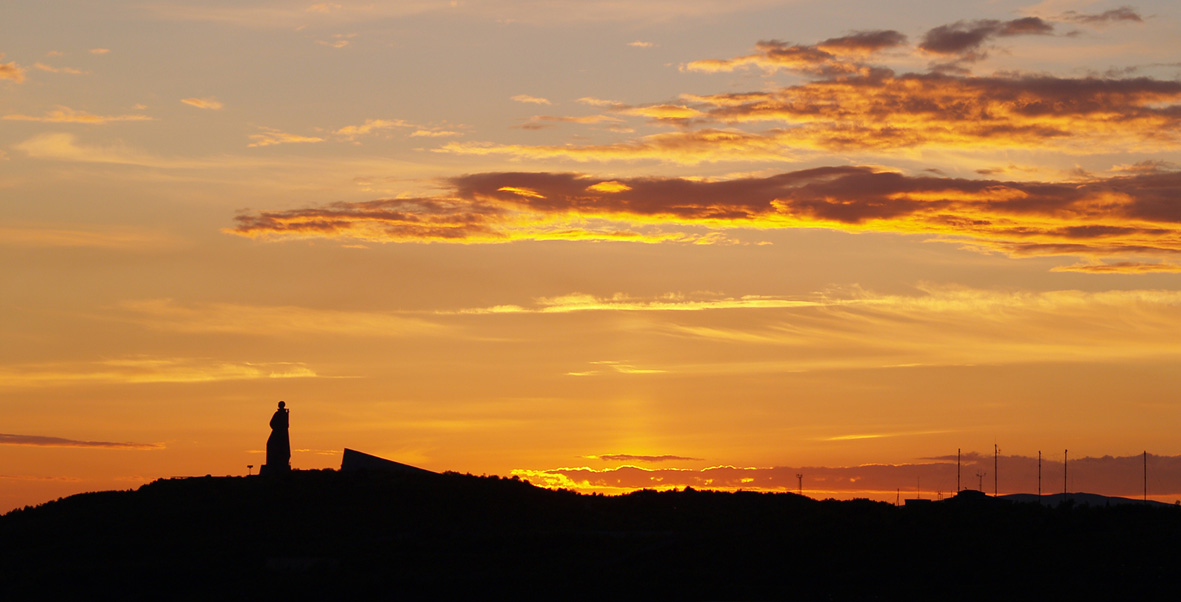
x,y
279,443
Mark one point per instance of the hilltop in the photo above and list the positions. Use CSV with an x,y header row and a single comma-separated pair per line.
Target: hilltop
x,y
365,535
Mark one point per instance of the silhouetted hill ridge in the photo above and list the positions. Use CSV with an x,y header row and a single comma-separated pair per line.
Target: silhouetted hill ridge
x,y
338,535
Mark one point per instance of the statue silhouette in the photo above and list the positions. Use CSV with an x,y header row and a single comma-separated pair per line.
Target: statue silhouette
x,y
278,444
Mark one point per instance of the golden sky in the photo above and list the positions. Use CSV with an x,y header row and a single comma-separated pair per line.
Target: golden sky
x,y
599,245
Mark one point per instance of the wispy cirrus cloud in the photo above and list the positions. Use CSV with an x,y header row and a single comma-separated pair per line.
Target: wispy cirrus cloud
x,y
577,302
209,103
1108,218
642,458
352,133
42,441
267,136
140,370
1115,15
108,237
52,69
63,114
230,318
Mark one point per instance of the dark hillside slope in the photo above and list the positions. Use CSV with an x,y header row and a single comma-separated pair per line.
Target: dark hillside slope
x,y
334,535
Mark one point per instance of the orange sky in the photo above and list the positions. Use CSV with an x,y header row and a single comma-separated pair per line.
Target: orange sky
x,y
593,244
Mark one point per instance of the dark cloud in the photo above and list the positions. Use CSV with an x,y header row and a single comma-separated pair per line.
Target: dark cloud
x,y
833,57
864,42
1124,13
631,458
41,441
964,37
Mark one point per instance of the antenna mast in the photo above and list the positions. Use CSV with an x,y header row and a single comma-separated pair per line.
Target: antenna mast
x,y
1064,456
800,478
957,470
1039,473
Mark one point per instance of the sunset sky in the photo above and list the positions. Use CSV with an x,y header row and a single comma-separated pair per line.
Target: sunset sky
x,y
593,243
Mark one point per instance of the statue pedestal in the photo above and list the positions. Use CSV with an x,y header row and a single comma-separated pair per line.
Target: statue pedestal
x,y
267,469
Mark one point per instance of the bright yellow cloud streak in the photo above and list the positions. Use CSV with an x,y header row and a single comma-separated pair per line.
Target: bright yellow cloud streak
x,y
271,136
146,370
67,115
165,314
204,103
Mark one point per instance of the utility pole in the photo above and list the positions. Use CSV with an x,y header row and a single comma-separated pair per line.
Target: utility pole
x,y
996,451
1039,473
1145,476
800,479
957,470
980,481
1064,456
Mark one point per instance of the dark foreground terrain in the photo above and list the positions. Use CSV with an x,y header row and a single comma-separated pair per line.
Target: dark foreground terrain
x,y
338,536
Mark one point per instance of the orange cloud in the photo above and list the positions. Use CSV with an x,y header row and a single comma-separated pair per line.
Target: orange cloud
x,y
11,71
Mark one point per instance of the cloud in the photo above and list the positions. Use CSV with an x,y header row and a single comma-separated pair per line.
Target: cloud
x,y
338,41
578,302
140,370
848,103
324,7
204,103
832,57
229,318
109,237
434,134
1107,475
639,44
634,458
51,69
966,38
1123,13
40,441
64,114
65,147
271,137
1099,218
883,112
11,71
99,50
535,12
370,127
531,99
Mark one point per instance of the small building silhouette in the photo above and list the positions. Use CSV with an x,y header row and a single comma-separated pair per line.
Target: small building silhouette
x,y
354,461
